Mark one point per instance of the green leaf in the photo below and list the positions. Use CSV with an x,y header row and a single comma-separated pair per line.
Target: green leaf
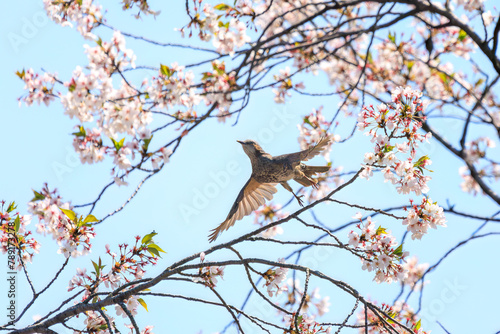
x,y
37,197
96,268
12,207
118,145
388,148
146,144
81,132
143,303
380,230
17,224
70,214
462,35
166,71
90,219
222,24
398,251
155,249
148,238
417,325
222,6
370,58
444,77
99,42
409,65
392,37
306,121
21,74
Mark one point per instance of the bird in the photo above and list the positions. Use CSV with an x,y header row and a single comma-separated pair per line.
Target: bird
x,y
267,172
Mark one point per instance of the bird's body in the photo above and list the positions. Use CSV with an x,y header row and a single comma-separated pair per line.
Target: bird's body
x,y
267,171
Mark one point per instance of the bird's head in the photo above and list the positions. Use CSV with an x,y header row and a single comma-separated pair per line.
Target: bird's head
x,y
251,148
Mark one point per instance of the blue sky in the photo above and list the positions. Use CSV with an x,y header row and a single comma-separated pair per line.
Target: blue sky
x,y
37,148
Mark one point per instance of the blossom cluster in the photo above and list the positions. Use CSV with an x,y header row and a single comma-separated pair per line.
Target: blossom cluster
x,y
209,275
399,312
227,36
269,213
96,323
475,153
131,304
421,217
173,87
399,120
217,87
130,264
415,271
39,87
111,112
15,239
55,217
142,5
275,277
305,324
380,253
470,5
314,305
283,85
84,13
92,97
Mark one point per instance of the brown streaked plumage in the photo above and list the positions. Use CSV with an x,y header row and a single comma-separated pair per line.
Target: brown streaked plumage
x,y
267,172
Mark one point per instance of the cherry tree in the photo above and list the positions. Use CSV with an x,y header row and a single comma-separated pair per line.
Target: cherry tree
x,y
398,72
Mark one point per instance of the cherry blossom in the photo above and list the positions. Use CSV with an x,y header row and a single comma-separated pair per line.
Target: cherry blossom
x,y
209,276
14,235
40,87
269,213
217,86
127,265
380,252
72,236
475,152
226,36
399,120
306,324
131,304
117,113
415,271
96,323
470,5
421,217
146,330
84,13
274,277
400,312
314,304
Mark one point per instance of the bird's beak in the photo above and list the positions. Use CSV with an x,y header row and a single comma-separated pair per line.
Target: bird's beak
x,y
239,141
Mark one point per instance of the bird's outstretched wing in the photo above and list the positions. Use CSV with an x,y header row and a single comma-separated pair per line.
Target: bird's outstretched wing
x,y
250,198
310,152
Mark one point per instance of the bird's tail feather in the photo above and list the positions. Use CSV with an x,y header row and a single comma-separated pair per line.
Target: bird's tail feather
x,y
309,170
